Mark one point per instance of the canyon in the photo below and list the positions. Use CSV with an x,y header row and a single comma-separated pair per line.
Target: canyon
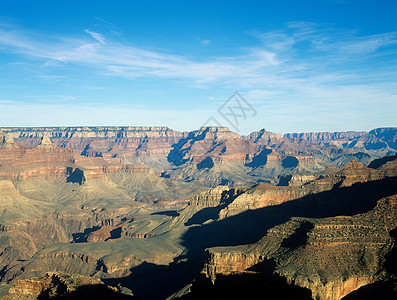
x,y
154,213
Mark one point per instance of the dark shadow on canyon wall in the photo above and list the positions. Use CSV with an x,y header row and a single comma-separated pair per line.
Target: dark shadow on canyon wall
x,y
260,159
212,213
376,163
75,176
384,290
206,163
290,162
248,227
177,153
245,286
97,292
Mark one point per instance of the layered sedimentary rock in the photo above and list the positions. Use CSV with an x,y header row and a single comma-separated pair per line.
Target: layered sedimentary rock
x,y
331,256
44,160
213,155
210,198
103,141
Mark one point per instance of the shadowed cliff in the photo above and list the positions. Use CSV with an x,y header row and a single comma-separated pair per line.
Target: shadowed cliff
x,y
247,228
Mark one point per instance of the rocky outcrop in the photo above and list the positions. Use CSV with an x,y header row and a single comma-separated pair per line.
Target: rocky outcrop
x,y
296,179
210,198
45,143
264,137
262,195
332,257
21,239
61,285
215,144
6,141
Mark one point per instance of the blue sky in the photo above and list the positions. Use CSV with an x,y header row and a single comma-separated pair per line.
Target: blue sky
x,y
321,65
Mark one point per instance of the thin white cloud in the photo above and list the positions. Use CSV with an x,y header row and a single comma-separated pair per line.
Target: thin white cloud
x,y
7,101
292,73
99,37
350,46
276,60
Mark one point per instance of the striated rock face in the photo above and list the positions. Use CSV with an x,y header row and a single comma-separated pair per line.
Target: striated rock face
x,y
336,138
21,163
210,198
106,142
47,160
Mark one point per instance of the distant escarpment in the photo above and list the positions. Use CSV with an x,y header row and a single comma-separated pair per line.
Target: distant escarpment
x,y
107,142
381,139
216,155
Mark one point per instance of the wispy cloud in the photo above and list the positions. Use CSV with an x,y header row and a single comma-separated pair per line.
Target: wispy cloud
x,y
280,55
302,70
7,101
99,37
